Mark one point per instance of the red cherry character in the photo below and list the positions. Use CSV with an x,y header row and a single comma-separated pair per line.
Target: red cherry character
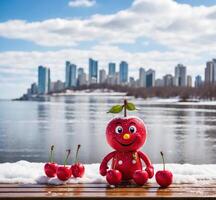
x,y
127,135
51,166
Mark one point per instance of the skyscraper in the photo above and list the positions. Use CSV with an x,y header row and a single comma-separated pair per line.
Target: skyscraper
x,y
189,81
93,71
112,69
210,72
43,80
102,76
123,72
198,81
142,77
168,80
81,80
180,75
70,75
150,78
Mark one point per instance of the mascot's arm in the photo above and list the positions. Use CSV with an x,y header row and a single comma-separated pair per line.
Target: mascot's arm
x,y
149,167
103,166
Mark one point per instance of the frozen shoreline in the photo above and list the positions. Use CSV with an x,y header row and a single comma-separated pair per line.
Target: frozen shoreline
x,y
32,173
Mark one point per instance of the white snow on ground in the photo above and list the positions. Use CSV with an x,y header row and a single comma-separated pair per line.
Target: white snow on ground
x,y
27,172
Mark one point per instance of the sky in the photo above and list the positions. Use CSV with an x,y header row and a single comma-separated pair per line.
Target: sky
x,y
155,34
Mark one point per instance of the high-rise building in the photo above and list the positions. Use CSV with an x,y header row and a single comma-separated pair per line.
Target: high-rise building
x,y
132,82
180,75
34,88
159,82
189,81
123,72
93,71
150,78
198,81
142,77
210,72
70,75
112,69
82,77
102,76
168,80
43,80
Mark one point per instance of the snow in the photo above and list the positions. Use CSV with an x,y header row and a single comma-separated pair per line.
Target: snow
x,y
32,173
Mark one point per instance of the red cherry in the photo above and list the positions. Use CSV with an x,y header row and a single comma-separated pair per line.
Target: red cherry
x,y
64,173
78,170
114,177
50,169
164,177
140,177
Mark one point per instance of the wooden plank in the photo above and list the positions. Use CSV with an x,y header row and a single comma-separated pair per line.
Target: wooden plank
x,y
99,191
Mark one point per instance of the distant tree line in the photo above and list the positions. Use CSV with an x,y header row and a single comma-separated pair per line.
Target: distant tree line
x,y
205,92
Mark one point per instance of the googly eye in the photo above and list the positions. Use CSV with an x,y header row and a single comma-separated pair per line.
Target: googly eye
x,y
118,129
132,129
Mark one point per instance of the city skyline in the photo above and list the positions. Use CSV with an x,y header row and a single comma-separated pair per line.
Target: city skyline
x,y
76,76
151,34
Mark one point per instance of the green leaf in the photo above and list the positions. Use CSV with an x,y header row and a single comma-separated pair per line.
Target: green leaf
x,y
116,109
130,106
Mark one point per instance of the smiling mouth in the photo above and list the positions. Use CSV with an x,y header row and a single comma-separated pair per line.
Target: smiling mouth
x,y
126,144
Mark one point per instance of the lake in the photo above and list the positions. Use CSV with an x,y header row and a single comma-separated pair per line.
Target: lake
x,y
185,133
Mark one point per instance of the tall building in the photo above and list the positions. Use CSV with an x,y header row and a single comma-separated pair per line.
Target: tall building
x,y
112,69
102,76
82,77
70,75
142,77
189,81
123,72
150,78
180,75
210,72
93,71
159,82
168,80
34,88
43,80
132,82
198,81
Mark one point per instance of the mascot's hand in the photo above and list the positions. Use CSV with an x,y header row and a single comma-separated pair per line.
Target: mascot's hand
x,y
150,171
103,170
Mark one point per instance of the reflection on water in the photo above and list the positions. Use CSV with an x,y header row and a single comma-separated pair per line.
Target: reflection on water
x,y
186,133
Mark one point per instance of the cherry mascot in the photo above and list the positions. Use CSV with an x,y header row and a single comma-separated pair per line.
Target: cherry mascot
x,y
126,135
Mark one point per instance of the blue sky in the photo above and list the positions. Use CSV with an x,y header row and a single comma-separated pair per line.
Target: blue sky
x,y
155,34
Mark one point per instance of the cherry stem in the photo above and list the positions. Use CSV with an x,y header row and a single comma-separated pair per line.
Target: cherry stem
x,y
162,155
77,151
125,109
51,154
65,161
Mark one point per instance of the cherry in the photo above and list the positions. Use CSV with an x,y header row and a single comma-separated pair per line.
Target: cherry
x,y
77,168
140,177
63,172
114,177
50,167
164,177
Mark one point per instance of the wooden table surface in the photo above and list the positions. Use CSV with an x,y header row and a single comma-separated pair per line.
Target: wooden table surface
x,y
102,191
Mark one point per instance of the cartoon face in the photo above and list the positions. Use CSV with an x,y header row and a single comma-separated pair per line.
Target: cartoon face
x,y
126,134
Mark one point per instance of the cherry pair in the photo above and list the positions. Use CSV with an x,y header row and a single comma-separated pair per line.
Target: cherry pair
x,y
63,172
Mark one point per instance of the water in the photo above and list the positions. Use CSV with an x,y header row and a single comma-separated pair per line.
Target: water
x,y
186,133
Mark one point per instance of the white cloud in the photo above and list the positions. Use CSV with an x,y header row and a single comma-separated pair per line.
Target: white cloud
x,y
82,3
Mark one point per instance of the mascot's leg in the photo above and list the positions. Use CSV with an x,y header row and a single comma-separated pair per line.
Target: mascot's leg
x,y
140,177
114,177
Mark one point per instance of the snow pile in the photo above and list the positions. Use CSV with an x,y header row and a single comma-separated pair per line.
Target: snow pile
x,y
27,172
